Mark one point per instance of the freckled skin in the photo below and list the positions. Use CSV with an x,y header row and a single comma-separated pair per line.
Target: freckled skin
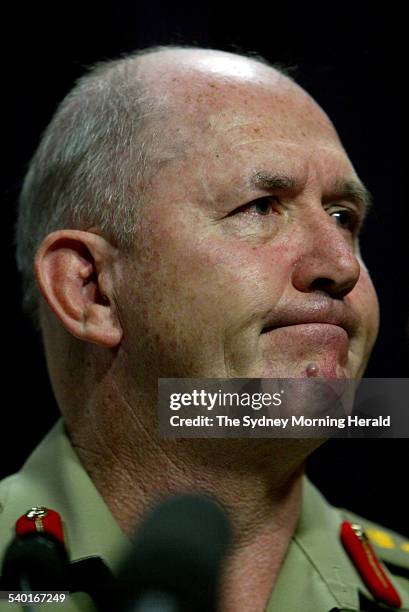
x,y
202,279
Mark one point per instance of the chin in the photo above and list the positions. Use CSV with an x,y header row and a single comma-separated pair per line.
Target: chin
x,y
311,366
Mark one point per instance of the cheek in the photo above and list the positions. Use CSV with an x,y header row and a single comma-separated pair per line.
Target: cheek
x,y
366,304
239,278
184,255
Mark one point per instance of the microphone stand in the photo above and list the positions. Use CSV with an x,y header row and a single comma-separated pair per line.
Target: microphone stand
x,y
25,586
156,601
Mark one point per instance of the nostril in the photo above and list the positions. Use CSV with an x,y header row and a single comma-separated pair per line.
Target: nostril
x,y
322,283
335,289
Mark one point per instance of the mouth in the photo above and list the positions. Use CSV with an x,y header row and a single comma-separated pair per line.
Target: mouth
x,y
318,324
317,313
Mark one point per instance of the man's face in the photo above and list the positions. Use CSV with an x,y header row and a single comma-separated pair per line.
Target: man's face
x,y
246,262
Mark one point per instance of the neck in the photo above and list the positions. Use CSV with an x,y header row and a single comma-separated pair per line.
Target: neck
x,y
257,481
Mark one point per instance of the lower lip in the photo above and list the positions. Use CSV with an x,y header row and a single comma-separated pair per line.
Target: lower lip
x,y
324,344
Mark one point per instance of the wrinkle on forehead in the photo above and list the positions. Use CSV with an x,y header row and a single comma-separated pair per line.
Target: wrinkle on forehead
x,y
289,114
246,130
239,119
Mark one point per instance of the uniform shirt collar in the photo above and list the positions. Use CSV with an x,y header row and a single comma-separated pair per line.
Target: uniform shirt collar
x,y
317,572
54,477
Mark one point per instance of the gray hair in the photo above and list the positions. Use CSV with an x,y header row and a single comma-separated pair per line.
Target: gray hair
x,y
91,158
91,163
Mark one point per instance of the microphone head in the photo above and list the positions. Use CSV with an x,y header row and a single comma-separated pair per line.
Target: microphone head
x,y
37,558
178,550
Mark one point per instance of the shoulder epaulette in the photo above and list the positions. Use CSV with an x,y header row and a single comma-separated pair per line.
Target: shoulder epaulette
x,y
391,547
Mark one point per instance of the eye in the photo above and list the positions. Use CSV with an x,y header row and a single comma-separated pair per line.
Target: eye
x,y
346,219
262,207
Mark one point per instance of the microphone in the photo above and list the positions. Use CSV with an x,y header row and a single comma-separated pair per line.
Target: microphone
x,y
176,559
35,562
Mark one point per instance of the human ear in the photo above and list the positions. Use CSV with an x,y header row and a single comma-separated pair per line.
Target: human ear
x,y
74,271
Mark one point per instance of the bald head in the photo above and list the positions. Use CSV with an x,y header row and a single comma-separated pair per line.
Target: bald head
x,y
165,64
199,83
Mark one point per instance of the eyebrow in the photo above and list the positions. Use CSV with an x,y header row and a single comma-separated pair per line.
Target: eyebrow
x,y
349,189
265,180
356,191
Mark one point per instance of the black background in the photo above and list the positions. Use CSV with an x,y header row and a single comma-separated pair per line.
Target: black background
x,y
349,55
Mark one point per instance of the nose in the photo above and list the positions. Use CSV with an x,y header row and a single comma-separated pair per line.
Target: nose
x,y
326,261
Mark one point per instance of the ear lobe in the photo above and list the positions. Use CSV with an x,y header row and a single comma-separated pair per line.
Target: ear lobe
x,y
71,266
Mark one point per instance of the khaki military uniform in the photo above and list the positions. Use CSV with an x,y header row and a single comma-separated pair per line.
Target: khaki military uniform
x,y
317,574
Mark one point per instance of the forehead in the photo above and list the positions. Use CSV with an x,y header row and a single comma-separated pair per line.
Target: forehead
x,y
226,119
200,86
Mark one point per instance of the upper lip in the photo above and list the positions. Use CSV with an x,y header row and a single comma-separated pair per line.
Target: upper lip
x,y
331,313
